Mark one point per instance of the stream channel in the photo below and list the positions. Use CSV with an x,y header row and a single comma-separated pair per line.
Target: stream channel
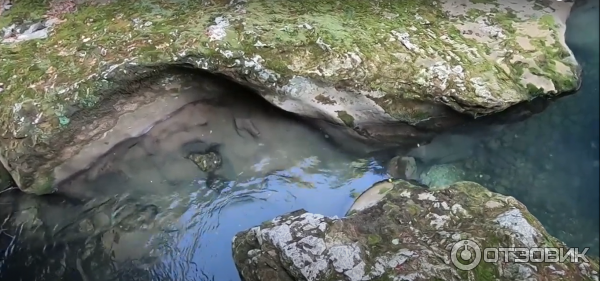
x,y
166,206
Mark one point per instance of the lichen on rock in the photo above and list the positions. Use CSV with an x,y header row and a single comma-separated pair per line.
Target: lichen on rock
x,y
353,62
408,235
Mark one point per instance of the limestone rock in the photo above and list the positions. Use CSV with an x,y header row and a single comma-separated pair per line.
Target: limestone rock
x,y
410,234
358,63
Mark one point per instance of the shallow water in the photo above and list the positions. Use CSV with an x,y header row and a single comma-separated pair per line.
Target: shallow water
x,y
148,206
150,213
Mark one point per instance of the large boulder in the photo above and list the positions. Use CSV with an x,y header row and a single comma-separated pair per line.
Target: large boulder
x,y
384,69
399,231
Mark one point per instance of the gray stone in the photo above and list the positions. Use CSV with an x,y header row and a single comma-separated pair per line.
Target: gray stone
x,y
408,234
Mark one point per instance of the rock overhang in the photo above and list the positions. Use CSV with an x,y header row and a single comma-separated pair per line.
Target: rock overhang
x,y
477,57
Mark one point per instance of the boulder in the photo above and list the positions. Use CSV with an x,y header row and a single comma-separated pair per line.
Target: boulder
x,y
410,233
386,70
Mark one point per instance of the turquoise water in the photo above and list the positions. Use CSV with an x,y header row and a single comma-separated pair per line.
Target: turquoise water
x,y
549,161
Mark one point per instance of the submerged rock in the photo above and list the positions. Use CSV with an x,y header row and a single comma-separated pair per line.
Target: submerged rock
x,y
379,68
410,234
403,167
206,162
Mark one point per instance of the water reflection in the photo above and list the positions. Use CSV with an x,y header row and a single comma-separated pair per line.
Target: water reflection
x,y
166,205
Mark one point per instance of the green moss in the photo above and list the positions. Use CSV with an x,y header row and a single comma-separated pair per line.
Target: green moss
x,y
530,218
346,118
485,272
373,239
293,37
534,91
43,184
267,224
22,11
391,210
547,21
413,209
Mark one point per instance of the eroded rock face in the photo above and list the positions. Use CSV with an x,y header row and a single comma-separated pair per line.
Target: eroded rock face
x,y
361,64
408,235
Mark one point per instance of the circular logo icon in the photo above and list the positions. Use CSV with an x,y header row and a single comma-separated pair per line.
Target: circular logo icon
x,y
465,255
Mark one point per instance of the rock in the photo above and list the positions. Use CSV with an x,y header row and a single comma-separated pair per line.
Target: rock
x,y
410,234
403,167
206,162
372,195
5,178
443,175
386,70
437,152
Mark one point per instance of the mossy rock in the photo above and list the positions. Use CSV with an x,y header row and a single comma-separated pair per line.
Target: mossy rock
x,y
355,61
410,234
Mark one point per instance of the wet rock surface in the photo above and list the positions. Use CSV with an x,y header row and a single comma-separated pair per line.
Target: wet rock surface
x,y
452,57
408,235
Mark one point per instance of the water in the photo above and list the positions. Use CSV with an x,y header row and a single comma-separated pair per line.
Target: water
x,y
549,161
150,213
158,208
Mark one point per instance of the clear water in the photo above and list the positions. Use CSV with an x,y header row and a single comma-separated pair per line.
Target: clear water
x,y
151,209
549,161
155,217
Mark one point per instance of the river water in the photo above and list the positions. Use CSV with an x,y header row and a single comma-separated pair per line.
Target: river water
x,y
166,206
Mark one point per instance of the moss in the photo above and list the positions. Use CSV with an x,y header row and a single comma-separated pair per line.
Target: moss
x,y
24,11
413,209
308,38
267,224
534,91
391,210
346,118
547,21
530,218
43,184
485,272
373,239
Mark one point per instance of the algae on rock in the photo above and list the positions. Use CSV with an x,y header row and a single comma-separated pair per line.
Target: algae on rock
x,y
388,61
408,235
